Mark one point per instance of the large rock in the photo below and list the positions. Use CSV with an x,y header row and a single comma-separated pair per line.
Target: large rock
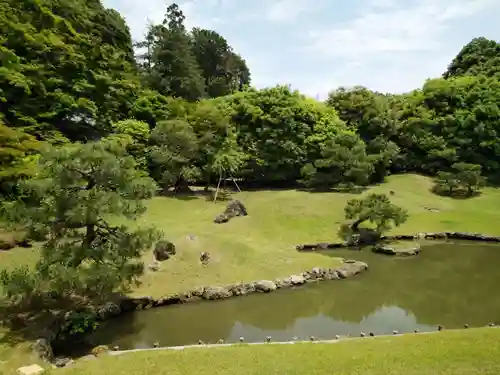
x,y
388,250
43,349
233,209
297,280
265,286
242,289
214,293
109,310
164,250
30,370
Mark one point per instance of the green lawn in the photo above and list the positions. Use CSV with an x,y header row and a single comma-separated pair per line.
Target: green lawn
x,y
262,245
466,352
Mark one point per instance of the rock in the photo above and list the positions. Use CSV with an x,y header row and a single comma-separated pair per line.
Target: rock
x,y
155,267
410,251
163,250
222,218
297,280
98,350
205,257
62,361
109,310
30,370
233,209
351,269
214,293
436,236
242,289
197,292
265,286
43,349
331,274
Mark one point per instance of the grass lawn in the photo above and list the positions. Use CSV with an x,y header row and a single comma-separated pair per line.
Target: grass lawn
x,y
463,352
262,245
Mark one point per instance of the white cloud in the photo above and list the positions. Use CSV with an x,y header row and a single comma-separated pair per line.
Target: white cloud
x,y
289,10
390,30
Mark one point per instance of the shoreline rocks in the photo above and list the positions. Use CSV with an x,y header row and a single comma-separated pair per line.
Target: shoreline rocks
x,y
349,268
464,236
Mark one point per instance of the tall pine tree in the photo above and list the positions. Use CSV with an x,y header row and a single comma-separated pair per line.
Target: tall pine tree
x,y
173,68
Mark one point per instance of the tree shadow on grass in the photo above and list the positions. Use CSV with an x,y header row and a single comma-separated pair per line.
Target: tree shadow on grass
x,y
338,189
456,194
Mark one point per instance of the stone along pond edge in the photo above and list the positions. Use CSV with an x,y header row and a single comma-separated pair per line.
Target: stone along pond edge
x,y
463,236
43,346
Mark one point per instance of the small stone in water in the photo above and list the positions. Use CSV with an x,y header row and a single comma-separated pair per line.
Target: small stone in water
x,y
362,334
395,332
372,334
466,326
491,324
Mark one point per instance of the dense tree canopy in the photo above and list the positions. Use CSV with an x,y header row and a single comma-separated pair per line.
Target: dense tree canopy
x,y
91,125
69,72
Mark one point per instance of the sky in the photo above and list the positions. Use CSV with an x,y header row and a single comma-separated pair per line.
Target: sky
x,y
317,46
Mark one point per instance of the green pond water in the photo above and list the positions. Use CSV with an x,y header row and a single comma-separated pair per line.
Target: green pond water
x,y
450,284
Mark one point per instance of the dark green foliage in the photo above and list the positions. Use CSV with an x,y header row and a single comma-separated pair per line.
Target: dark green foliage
x,y
343,161
67,68
463,177
224,71
280,131
375,209
76,190
174,70
174,148
479,57
17,156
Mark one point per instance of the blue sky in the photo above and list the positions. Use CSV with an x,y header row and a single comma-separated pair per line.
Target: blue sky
x,y
317,46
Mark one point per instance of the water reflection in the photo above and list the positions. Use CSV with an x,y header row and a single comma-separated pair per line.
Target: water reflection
x,y
447,284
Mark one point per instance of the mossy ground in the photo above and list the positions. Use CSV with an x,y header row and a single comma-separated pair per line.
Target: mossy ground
x,y
262,245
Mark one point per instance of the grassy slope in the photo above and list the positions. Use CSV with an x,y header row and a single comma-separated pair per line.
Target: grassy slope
x,y
466,352
261,245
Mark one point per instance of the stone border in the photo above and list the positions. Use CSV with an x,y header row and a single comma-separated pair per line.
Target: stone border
x,y
111,310
349,268
464,236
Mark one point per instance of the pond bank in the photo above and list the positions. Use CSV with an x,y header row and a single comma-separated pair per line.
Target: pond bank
x,y
349,268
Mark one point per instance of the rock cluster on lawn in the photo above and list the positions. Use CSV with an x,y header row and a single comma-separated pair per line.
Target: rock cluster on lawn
x,y
233,209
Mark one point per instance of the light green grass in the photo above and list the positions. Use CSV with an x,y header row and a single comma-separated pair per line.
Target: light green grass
x,y
466,352
262,245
